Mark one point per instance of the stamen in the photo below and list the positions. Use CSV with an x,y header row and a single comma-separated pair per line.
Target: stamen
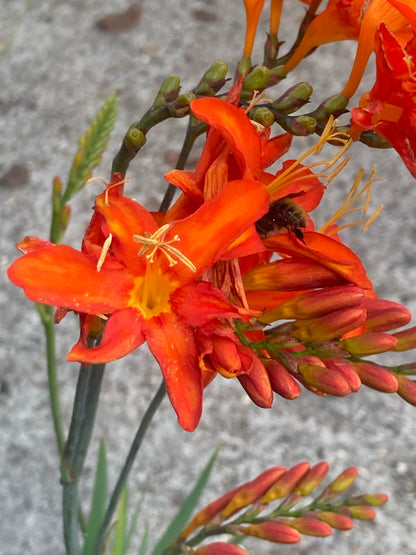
x,y
107,186
353,196
104,252
155,241
329,134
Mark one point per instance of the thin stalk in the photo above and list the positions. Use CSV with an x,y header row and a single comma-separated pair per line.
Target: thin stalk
x,y
122,479
46,315
82,423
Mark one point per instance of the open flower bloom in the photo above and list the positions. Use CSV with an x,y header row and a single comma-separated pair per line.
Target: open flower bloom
x,y
352,20
389,108
146,280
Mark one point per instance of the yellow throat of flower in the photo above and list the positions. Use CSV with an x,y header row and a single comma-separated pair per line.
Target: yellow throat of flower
x,y
151,292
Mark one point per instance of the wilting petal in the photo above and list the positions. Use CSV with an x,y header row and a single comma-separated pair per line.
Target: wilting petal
x,y
122,335
173,346
235,127
61,276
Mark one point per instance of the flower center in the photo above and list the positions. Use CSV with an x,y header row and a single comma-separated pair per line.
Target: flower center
x,y
151,292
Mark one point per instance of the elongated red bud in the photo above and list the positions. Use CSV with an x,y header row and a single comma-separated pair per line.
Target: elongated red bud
x,y
310,526
369,344
407,389
377,377
336,520
252,490
362,513
326,380
272,530
385,315
312,479
347,371
406,339
282,382
330,326
286,483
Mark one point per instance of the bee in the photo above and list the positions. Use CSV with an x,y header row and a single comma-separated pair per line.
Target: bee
x,y
283,213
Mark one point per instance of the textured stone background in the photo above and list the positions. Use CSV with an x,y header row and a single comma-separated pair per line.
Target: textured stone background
x,y
59,70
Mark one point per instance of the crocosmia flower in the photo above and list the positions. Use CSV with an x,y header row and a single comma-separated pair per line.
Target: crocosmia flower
x,y
145,281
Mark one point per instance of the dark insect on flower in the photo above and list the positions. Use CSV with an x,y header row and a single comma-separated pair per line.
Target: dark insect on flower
x,y
283,213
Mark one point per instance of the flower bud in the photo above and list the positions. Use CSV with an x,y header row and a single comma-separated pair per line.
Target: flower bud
x,y
330,326
324,379
251,491
368,499
312,479
257,79
134,138
369,344
262,115
362,513
220,548
243,65
310,526
300,126
272,530
294,98
282,382
374,140
377,377
315,304
286,483
407,389
256,383
181,107
334,105
213,79
340,484
336,520
347,371
406,339
385,315
57,186
168,91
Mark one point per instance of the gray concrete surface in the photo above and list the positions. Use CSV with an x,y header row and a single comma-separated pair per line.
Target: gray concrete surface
x,y
57,73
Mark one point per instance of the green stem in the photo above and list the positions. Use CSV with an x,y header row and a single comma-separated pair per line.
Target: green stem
x,y
195,128
82,423
122,479
46,315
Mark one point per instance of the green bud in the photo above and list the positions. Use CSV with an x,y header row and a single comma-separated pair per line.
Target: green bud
x,y
182,105
168,91
134,138
243,65
213,79
276,75
262,115
334,105
57,187
257,79
373,140
64,220
299,126
294,98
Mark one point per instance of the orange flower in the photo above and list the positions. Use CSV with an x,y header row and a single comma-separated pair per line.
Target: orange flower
x,y
389,108
144,278
351,20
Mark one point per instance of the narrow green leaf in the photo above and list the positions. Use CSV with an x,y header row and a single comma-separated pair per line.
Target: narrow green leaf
x,y
188,506
121,525
144,543
91,147
99,501
133,525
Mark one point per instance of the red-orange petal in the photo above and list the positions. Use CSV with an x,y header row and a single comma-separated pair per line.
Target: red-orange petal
x,y
235,127
171,342
62,276
122,335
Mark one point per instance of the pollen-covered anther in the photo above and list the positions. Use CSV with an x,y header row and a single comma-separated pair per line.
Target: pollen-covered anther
x,y
153,242
104,251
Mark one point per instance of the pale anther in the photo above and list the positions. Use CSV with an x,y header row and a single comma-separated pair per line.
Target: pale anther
x,y
104,252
